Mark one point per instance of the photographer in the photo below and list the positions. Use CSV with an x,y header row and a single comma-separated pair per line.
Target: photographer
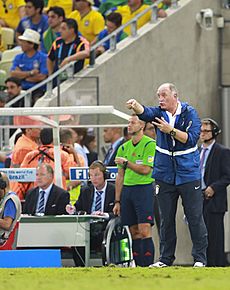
x,y
10,209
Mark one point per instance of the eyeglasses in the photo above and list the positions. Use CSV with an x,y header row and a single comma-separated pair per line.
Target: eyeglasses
x,y
4,6
205,131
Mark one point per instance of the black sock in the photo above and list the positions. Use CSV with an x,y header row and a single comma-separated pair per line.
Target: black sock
x,y
136,246
147,252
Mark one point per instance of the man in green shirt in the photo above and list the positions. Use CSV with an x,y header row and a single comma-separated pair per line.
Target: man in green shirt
x,y
134,190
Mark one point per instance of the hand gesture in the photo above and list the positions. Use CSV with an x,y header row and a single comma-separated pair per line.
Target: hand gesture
x,y
162,125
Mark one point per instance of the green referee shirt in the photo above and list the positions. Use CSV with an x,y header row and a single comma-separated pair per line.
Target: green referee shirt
x,y
141,153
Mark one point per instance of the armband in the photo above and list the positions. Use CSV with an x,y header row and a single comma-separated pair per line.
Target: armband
x,y
117,201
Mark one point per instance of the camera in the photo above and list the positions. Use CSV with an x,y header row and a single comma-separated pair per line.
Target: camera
x,y
205,18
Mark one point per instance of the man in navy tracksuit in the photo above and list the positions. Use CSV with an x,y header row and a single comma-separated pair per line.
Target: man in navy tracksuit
x,y
176,171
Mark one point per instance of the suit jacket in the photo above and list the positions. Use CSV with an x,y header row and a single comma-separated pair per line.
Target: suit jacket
x,y
56,203
110,161
86,197
217,175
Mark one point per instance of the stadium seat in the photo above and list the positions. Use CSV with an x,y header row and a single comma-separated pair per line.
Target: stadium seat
x,y
9,54
5,66
2,79
8,37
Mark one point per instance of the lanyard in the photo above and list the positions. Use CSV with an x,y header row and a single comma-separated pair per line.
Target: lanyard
x,y
69,52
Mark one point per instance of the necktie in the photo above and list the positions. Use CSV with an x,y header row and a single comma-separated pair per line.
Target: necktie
x,y
41,205
108,155
98,200
202,159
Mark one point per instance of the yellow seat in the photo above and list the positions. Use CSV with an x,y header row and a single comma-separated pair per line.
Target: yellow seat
x,y
7,37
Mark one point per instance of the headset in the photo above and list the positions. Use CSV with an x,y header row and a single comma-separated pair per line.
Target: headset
x,y
103,168
2,182
215,127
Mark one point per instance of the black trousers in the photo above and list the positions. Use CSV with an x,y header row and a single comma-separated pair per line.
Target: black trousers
x,y
215,226
192,200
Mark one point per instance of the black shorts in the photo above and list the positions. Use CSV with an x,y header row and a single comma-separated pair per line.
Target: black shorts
x,y
137,204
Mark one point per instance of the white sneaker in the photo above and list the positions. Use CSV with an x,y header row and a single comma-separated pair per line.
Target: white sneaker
x,y
198,265
158,265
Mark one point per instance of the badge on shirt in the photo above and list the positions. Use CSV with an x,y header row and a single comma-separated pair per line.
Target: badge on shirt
x,y
86,23
150,159
139,161
10,6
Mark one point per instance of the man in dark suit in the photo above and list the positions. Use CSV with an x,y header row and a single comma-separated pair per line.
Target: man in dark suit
x,y
96,198
46,198
215,169
114,136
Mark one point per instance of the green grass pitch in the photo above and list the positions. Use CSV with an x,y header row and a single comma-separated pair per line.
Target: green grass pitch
x,y
178,278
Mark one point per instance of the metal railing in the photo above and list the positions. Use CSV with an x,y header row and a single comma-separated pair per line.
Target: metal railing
x,y
69,68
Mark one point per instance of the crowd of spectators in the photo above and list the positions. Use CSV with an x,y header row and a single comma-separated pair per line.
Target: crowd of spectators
x,y
53,33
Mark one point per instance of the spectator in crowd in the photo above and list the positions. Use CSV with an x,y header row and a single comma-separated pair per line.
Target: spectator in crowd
x,y
67,140
108,6
55,17
164,5
215,171
11,12
4,120
10,208
130,10
176,171
91,144
96,198
67,5
13,88
28,142
30,66
69,47
149,130
90,22
112,135
134,190
126,134
113,21
79,144
47,198
45,154
34,20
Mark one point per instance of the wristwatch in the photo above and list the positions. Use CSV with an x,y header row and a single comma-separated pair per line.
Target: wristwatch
x,y
173,132
125,163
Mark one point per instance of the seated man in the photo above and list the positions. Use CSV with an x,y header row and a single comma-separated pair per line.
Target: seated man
x,y
47,198
113,21
97,198
67,48
10,209
30,66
